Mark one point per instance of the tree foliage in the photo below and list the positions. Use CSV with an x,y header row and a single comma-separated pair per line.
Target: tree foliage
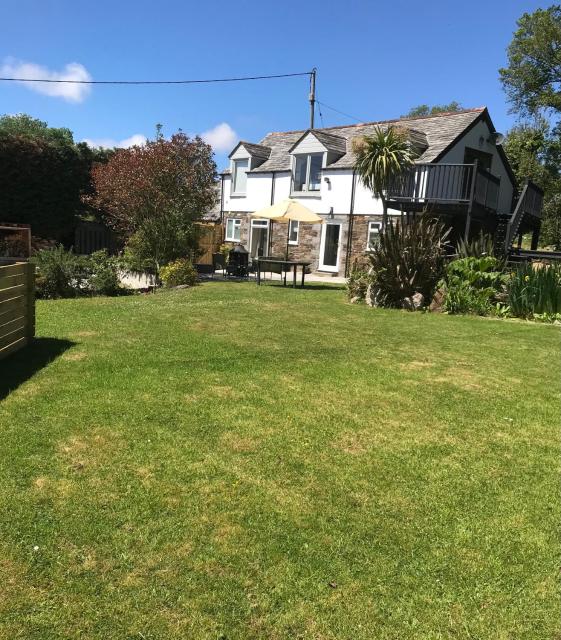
x,y
534,152
532,82
426,110
532,79
153,196
43,175
380,158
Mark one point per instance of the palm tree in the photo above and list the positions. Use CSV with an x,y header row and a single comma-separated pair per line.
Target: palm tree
x,y
380,158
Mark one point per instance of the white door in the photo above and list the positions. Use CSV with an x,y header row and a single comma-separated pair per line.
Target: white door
x,y
259,241
330,247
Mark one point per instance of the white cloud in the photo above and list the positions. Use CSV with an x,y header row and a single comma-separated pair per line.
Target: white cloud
x,y
13,68
138,139
221,137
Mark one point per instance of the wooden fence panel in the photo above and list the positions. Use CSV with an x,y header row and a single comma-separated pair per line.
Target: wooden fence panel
x,y
209,242
17,306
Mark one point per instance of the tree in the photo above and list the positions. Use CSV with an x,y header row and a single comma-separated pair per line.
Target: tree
x,y
43,175
426,110
532,79
153,196
534,152
380,158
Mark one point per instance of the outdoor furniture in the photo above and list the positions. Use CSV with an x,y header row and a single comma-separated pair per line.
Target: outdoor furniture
x,y
238,262
282,266
219,262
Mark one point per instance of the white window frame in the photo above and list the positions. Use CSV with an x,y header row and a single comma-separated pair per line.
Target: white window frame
x,y
235,170
373,227
291,223
306,187
236,224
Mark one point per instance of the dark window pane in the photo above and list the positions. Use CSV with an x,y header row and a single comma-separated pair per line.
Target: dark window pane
x,y
300,167
315,172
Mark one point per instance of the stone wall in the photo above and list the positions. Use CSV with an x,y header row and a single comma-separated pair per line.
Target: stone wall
x,y
309,240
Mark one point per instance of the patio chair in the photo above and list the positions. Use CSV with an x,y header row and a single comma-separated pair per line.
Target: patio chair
x,y
219,262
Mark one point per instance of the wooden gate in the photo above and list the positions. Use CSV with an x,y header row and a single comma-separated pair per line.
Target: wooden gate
x,y
209,242
17,306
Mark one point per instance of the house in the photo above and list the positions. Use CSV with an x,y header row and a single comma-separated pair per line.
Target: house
x,y
461,174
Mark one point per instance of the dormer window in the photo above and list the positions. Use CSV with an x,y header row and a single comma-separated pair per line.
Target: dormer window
x,y
240,176
307,172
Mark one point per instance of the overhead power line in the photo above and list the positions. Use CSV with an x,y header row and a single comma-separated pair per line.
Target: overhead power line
x,y
347,115
209,81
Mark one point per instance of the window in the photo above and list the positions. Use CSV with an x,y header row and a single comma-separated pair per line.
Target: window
x,y
373,235
233,229
307,172
293,232
240,175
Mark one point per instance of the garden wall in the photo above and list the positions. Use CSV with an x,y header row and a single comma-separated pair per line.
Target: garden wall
x,y
17,306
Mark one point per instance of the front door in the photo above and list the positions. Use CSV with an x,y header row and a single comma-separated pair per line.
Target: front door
x,y
259,238
329,249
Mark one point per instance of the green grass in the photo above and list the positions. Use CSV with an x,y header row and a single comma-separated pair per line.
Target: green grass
x,y
248,463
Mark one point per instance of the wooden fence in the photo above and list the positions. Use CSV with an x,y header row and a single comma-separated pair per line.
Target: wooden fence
x,y
17,306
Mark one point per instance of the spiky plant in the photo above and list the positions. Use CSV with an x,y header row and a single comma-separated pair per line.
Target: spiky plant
x,y
481,245
382,157
409,260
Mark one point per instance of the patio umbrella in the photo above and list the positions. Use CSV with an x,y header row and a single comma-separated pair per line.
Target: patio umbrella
x,y
288,210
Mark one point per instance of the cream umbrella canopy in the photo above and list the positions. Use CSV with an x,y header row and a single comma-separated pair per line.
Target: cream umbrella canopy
x,y
286,211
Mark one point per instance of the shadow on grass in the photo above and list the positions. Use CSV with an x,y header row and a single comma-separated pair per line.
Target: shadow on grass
x,y
24,364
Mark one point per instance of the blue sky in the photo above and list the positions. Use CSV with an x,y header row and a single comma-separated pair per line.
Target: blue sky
x,y
375,60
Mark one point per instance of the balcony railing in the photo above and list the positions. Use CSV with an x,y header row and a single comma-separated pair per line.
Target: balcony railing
x,y
446,184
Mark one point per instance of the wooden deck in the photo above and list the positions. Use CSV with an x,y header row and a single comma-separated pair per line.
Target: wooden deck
x,y
445,188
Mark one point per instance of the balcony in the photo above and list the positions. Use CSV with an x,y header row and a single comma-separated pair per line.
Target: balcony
x,y
445,188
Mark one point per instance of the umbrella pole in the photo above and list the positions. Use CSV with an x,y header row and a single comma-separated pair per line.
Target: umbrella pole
x,y
287,239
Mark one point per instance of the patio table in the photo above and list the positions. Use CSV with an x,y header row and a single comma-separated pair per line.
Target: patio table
x,y
287,265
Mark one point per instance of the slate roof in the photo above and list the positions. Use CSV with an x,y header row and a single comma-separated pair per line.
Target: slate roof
x,y
256,150
430,134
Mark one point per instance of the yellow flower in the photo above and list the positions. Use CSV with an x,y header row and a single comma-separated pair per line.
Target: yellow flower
x,y
526,278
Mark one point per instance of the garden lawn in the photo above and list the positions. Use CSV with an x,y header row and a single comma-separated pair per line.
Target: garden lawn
x,y
243,462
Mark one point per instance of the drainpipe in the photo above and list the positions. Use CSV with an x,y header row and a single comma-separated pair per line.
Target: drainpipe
x,y
351,224
222,207
273,173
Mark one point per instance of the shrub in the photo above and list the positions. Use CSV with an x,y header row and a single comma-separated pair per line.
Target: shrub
x,y
477,247
360,278
408,260
63,274
471,285
103,274
179,272
535,291
60,273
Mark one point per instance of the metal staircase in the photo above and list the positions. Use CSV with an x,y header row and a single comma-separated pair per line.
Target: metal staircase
x,y
528,209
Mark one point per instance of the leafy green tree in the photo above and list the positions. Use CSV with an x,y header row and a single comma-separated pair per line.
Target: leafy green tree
x,y
426,110
155,194
532,83
534,152
380,158
533,75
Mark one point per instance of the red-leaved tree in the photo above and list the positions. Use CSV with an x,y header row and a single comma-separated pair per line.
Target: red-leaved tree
x,y
153,196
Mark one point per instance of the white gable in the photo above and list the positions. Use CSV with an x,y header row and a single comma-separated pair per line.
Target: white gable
x,y
309,144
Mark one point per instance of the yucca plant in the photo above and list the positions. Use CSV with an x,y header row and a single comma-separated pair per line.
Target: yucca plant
x,y
380,158
481,245
535,290
409,260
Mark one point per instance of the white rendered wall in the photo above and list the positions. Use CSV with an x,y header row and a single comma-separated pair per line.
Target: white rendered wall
x,y
472,139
